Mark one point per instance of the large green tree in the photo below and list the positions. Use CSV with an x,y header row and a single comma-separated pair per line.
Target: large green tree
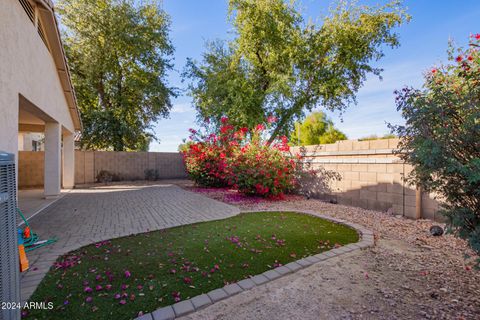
x,y
118,52
317,128
279,65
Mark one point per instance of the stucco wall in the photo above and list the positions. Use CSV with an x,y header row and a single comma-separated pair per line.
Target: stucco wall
x,y
371,178
26,68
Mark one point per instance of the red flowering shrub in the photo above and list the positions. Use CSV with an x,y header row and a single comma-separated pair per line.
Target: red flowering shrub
x,y
206,156
262,169
242,160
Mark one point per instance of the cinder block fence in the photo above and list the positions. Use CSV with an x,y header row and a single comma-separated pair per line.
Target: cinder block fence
x,y
127,165
371,174
371,178
124,165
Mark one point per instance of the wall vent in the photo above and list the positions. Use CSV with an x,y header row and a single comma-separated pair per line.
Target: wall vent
x,y
27,6
42,33
30,11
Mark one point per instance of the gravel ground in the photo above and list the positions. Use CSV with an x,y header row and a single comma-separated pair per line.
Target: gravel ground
x,y
409,274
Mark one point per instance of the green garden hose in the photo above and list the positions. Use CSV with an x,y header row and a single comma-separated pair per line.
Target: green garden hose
x,y
33,242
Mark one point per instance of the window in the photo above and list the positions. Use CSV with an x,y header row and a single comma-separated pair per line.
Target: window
x,y
36,145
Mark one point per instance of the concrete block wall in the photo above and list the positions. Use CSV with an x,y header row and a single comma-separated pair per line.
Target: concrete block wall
x,y
371,178
30,169
126,165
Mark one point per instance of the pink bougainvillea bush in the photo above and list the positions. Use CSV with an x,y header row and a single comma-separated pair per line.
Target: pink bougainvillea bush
x,y
242,159
206,155
258,168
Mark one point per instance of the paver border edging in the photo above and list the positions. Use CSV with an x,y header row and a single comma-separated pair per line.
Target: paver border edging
x,y
185,307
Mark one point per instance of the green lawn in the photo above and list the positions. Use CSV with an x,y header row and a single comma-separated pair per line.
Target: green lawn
x,y
148,271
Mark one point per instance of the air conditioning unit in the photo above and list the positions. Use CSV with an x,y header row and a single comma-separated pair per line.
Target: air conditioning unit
x,y
9,268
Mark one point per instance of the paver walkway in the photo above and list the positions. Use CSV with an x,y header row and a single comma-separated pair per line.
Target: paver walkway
x,y
86,216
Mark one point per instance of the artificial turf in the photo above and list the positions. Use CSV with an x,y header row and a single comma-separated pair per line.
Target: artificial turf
x,y
143,272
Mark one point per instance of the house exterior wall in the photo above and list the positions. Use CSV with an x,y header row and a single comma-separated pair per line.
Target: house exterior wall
x,y
26,68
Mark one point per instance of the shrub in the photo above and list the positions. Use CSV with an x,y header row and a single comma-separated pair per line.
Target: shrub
x,y
151,174
241,159
206,155
262,169
105,176
441,138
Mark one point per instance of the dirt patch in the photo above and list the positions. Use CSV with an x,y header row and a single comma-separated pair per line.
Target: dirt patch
x,y
409,274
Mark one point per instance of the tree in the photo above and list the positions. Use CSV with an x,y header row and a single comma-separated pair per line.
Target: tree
x,y
118,52
279,65
441,138
315,129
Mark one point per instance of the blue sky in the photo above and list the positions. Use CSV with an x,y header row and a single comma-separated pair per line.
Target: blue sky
x,y
423,44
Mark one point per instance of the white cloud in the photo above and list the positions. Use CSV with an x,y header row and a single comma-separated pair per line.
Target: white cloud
x,y
182,108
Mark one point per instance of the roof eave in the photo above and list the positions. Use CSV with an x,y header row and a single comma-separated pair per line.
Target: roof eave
x,y
55,41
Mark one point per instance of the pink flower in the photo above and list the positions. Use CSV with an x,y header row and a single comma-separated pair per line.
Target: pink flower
x,y
117,296
176,296
139,287
272,119
108,287
88,299
127,274
88,290
99,288
173,271
260,127
122,302
124,287
187,280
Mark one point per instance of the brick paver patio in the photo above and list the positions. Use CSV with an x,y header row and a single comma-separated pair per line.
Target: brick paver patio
x,y
86,216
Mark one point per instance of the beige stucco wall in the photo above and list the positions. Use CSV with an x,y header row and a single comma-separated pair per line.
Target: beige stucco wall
x,y
26,68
